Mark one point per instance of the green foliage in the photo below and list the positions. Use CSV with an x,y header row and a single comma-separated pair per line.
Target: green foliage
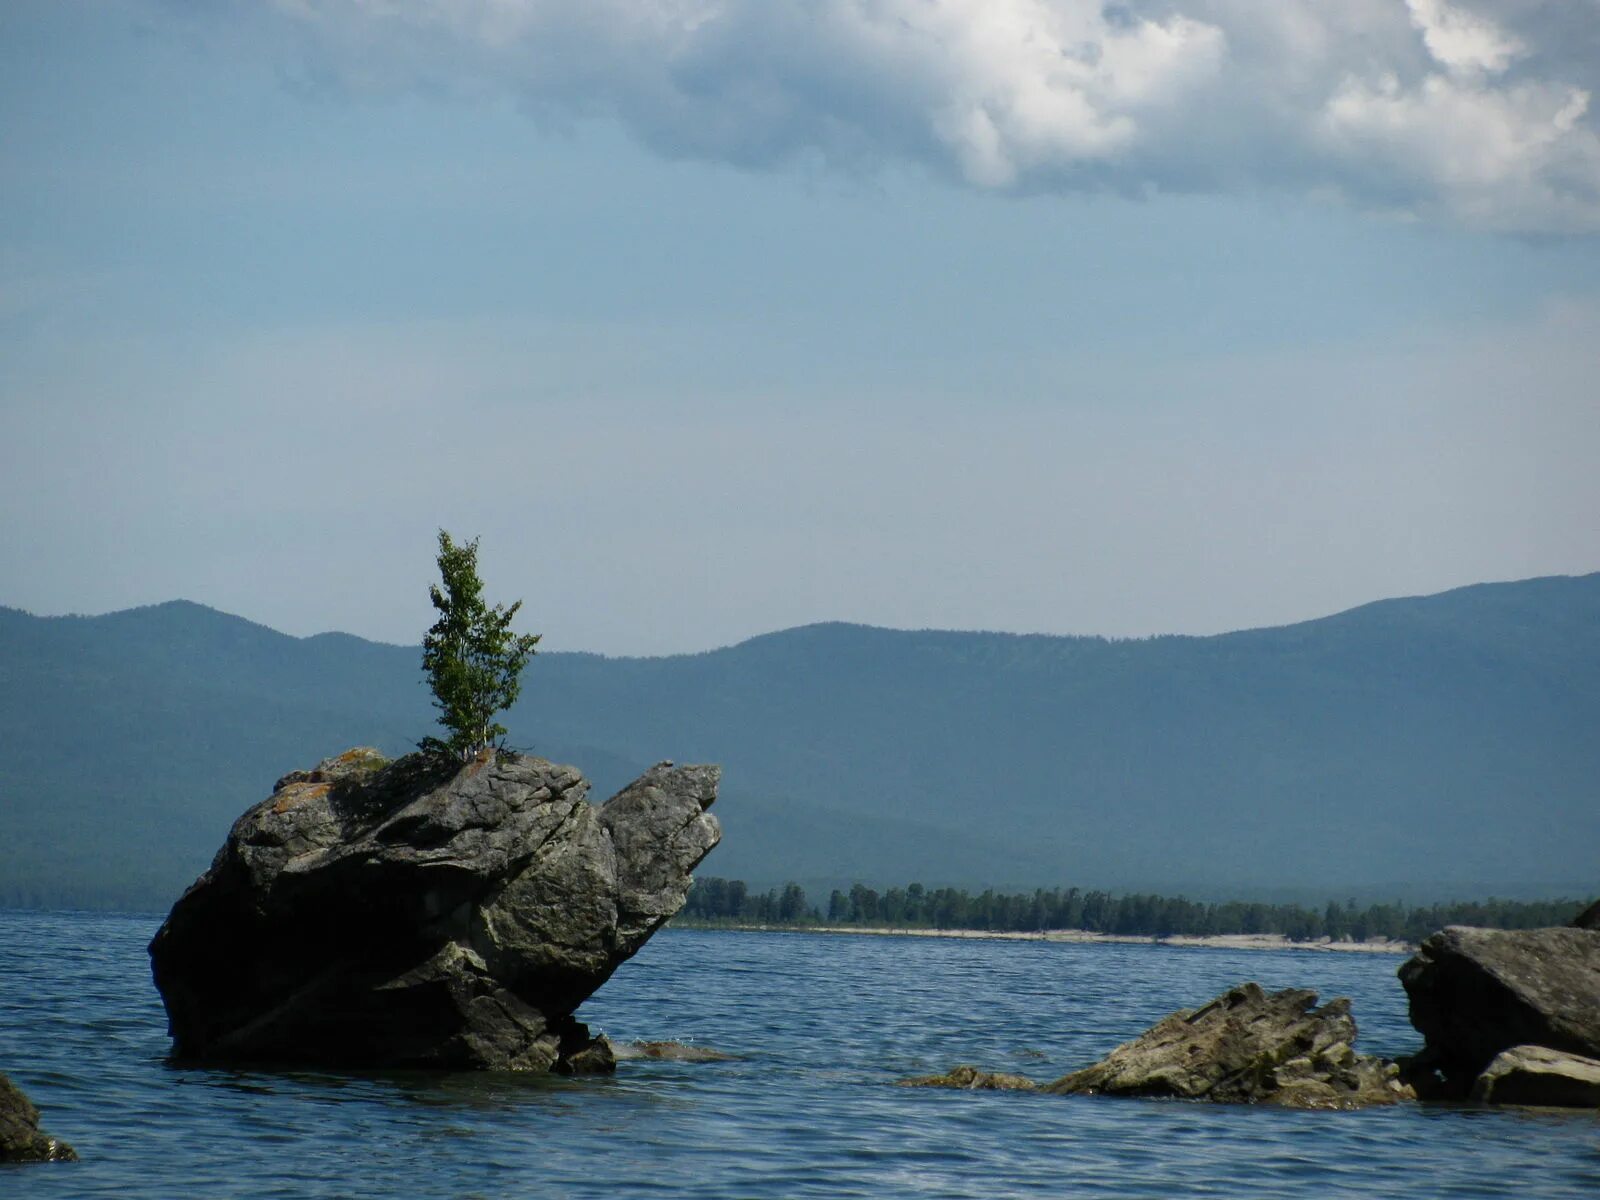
x,y
714,901
473,661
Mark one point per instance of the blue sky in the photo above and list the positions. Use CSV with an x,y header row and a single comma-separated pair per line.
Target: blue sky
x,y
717,318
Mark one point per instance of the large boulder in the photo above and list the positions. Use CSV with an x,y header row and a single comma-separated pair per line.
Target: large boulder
x,y
20,1138
426,914
1247,1046
1477,992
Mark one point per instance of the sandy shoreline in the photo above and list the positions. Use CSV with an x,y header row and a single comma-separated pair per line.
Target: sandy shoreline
x,y
1223,941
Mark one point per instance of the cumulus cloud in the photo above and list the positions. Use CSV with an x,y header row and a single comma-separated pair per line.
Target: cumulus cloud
x,y
1471,111
1462,41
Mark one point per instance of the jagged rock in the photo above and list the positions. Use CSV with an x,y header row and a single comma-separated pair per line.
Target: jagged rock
x,y
1248,1046
973,1079
424,914
673,1052
1538,1075
1476,992
21,1140
599,1057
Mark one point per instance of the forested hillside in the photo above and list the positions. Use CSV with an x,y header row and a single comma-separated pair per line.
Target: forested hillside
x,y
1443,744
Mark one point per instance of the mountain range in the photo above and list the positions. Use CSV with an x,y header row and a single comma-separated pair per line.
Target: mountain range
x,y
1434,747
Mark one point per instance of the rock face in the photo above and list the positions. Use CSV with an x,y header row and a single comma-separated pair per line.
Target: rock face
x,y
423,915
1248,1046
1477,992
1536,1075
20,1138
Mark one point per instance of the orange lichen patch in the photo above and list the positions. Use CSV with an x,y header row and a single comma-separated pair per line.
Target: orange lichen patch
x,y
364,757
295,794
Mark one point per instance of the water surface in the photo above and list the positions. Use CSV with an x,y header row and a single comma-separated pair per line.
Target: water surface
x,y
824,1025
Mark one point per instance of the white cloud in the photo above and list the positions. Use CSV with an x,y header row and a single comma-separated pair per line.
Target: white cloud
x,y
1500,155
1460,40
1473,111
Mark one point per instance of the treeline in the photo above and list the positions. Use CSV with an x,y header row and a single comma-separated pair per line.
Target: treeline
x,y
716,901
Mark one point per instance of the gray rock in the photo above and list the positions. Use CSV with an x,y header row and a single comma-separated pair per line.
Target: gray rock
x,y
21,1140
599,1057
1248,1046
972,1079
1476,992
651,840
427,915
1539,1075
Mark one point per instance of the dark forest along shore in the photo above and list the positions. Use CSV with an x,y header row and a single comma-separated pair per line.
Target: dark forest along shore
x,y
822,1028
1091,913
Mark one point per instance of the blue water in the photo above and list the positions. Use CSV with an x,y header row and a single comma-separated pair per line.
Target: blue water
x,y
825,1025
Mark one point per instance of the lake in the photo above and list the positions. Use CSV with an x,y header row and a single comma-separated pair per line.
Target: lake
x,y
824,1025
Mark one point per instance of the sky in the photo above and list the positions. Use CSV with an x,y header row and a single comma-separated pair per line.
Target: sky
x,y
715,317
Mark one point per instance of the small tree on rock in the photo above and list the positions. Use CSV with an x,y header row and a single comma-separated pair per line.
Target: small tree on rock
x,y
473,661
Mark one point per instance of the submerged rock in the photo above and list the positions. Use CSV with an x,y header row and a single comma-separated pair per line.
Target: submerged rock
x,y
673,1052
1477,992
1538,1075
1248,1046
973,1079
21,1140
421,914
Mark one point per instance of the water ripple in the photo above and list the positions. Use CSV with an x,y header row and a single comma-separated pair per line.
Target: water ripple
x,y
824,1025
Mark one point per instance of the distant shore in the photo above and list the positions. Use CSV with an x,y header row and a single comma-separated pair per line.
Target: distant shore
x,y
1220,941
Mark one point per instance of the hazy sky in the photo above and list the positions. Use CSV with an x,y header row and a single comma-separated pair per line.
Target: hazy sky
x,y
718,316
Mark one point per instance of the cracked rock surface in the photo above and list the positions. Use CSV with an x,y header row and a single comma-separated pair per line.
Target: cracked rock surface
x,y
412,914
1248,1046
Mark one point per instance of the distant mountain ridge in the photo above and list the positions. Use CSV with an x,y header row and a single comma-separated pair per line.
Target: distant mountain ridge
x,y
1452,741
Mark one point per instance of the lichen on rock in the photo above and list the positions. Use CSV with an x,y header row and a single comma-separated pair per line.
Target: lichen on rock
x,y
21,1139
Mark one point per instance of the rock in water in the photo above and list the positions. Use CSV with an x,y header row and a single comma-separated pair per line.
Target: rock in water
x,y
973,1079
1248,1046
20,1138
421,914
1476,992
1536,1075
673,1052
